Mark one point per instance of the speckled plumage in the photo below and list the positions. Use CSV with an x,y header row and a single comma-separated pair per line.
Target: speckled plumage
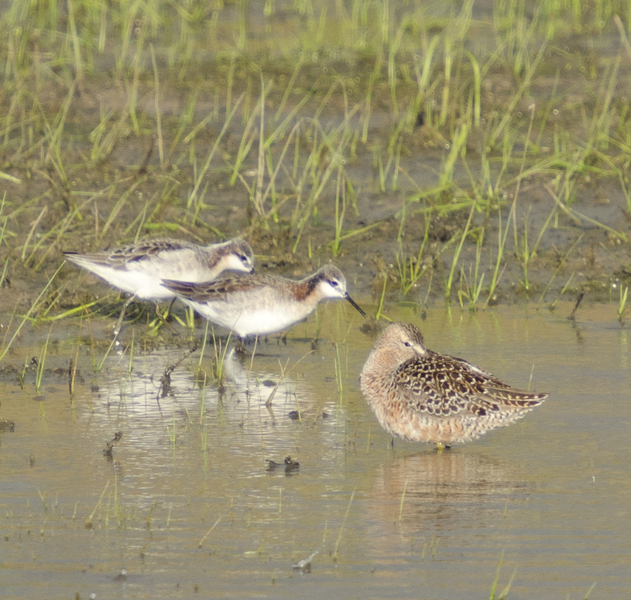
x,y
258,304
425,396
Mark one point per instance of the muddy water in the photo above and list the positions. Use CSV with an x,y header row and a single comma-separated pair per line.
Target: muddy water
x,y
187,506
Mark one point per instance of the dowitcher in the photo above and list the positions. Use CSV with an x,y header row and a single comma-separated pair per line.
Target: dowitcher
x,y
425,396
138,269
258,304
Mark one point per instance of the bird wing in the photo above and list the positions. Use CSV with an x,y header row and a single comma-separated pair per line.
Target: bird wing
x,y
443,386
217,289
119,258
146,250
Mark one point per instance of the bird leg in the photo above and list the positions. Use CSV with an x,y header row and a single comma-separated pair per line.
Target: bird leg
x,y
168,310
239,347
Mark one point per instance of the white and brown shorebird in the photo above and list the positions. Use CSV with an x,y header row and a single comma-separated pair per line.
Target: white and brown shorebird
x,y
425,396
139,269
258,304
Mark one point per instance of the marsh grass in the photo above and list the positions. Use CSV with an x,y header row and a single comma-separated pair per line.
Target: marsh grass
x,y
201,542
131,348
405,487
96,153
382,298
98,366
411,269
622,306
284,373
504,593
338,372
72,373
219,358
454,262
7,345
561,265
41,364
88,522
471,285
589,591
335,556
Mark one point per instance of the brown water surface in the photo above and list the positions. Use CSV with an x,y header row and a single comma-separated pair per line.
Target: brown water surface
x,y
187,506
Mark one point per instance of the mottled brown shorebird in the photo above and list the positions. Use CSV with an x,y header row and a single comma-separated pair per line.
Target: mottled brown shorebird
x,y
425,396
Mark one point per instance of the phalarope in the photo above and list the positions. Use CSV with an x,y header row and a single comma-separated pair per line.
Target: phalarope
x,y
259,304
138,269
425,396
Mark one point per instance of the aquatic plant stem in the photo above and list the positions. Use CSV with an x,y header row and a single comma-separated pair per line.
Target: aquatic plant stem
x,y
26,317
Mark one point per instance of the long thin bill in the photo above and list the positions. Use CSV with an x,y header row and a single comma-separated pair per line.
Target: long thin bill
x,y
361,312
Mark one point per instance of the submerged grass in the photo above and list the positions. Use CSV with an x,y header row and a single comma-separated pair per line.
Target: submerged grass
x,y
622,306
504,593
335,555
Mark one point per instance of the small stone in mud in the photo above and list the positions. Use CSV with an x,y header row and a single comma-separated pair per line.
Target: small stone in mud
x,y
6,425
39,398
370,326
109,446
294,415
304,566
289,465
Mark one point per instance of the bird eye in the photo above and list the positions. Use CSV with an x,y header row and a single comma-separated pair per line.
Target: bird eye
x,y
407,344
333,283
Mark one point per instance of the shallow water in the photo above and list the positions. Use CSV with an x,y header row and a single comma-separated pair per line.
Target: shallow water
x,y
188,508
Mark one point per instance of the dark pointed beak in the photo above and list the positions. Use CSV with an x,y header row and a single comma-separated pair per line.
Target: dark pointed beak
x,y
359,310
